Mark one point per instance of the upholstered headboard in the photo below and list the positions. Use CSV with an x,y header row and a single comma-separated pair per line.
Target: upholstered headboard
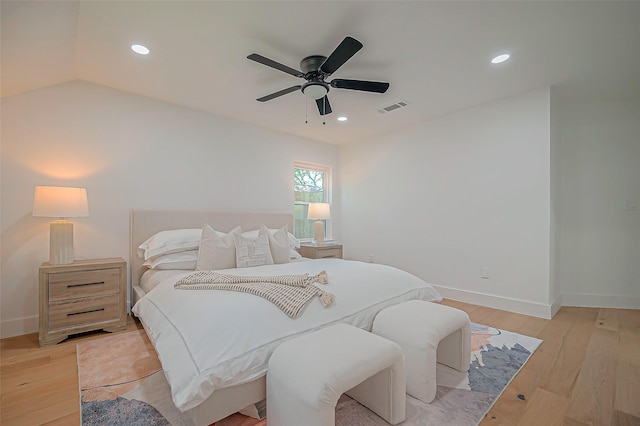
x,y
145,223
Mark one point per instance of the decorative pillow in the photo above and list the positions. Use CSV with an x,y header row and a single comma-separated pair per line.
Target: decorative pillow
x,y
217,249
173,241
179,260
251,252
295,255
279,244
293,241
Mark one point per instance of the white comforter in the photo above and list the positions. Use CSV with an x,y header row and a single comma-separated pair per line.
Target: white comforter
x,y
211,339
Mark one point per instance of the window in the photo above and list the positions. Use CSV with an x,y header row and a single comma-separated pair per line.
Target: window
x,y
311,184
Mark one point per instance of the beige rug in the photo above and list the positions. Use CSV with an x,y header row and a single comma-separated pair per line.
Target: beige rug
x,y
122,383
115,364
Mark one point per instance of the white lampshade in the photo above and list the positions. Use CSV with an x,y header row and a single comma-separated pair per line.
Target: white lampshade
x,y
60,202
57,201
319,211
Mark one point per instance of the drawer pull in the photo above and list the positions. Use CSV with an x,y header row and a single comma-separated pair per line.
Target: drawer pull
x,y
85,312
84,284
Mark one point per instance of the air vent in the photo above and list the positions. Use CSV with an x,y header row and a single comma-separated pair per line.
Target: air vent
x,y
392,107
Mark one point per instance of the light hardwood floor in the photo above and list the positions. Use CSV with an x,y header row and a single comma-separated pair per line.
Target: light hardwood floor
x,y
586,372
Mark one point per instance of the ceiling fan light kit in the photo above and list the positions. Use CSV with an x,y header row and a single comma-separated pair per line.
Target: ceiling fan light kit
x,y
315,69
315,89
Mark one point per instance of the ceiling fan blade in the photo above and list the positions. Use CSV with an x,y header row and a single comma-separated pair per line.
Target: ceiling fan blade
x,y
273,64
324,107
366,86
279,93
343,52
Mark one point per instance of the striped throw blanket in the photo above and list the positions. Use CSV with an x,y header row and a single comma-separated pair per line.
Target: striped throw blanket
x,y
290,293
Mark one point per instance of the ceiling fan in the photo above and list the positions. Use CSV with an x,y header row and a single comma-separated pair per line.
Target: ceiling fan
x,y
315,69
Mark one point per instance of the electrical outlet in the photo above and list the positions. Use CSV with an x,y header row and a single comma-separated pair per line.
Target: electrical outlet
x,y
485,273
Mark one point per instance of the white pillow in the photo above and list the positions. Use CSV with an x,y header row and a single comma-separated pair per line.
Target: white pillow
x,y
165,242
295,255
179,260
279,244
251,252
217,249
293,241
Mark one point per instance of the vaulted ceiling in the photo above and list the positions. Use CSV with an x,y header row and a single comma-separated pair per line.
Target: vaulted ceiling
x,y
435,55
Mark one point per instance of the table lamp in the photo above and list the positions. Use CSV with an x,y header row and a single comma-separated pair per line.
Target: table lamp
x,y
60,202
320,212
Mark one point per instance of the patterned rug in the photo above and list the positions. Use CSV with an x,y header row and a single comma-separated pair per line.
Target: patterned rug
x,y
122,383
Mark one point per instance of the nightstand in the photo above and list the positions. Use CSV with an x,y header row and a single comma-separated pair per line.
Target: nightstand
x,y
82,296
316,252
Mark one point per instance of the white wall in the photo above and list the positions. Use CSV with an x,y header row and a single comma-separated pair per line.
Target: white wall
x,y
600,169
556,202
129,152
446,198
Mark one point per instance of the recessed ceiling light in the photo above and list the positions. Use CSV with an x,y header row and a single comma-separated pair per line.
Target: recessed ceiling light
x,y
140,49
500,58
342,118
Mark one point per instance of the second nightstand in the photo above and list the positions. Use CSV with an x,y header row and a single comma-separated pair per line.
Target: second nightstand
x,y
82,296
315,252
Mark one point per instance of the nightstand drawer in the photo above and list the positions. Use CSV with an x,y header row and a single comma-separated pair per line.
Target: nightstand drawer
x,y
329,252
321,252
70,285
81,312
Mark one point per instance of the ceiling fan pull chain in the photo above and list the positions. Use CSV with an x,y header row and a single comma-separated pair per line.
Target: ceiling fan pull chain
x,y
306,107
324,109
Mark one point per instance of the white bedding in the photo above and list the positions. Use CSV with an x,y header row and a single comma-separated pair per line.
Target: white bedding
x,y
151,278
210,339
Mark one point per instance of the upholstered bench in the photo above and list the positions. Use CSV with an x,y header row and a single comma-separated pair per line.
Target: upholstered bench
x,y
428,333
307,375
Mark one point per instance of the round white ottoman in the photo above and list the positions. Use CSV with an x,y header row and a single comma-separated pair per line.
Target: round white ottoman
x,y
307,375
428,333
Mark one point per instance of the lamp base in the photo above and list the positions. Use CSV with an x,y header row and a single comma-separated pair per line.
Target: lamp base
x,y
61,242
318,232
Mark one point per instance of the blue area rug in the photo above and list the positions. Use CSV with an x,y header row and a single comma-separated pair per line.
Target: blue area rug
x,y
121,412
461,399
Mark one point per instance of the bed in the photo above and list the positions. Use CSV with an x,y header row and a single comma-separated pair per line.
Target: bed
x,y
214,345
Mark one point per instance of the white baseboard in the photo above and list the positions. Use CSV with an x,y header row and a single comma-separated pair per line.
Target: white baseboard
x,y
599,301
19,326
555,307
498,302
